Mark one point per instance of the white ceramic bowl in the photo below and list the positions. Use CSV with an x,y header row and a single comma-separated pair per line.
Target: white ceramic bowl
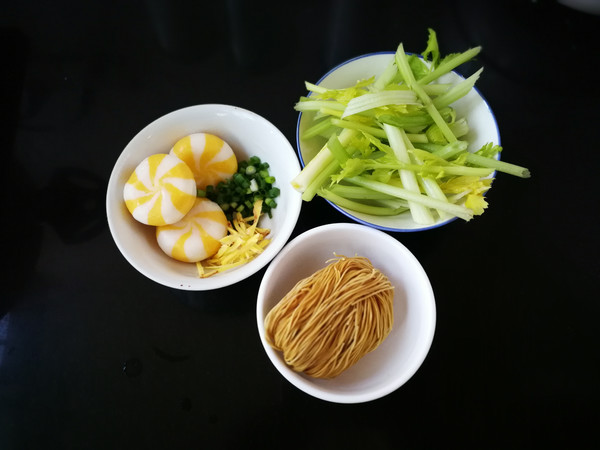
x,y
481,120
397,359
248,134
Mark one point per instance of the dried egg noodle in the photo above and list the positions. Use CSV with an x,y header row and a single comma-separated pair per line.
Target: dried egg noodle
x,y
211,158
331,319
160,191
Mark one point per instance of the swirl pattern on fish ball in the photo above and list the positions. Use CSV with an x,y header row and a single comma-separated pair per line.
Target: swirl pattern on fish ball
x,y
211,159
195,237
160,191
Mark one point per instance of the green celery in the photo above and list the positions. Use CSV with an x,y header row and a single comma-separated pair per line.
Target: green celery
x,y
377,99
420,213
352,125
386,77
322,160
316,105
357,192
457,91
500,166
450,63
409,79
360,207
433,190
337,149
455,210
317,129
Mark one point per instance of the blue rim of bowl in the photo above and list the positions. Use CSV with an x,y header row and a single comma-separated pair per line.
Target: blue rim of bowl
x,y
343,211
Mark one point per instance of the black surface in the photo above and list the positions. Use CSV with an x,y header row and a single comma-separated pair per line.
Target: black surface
x,y
94,355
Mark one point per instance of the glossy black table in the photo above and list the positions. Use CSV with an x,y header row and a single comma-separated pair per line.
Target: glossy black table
x,y
94,355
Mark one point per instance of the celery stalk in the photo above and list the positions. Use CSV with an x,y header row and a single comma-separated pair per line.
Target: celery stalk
x,y
315,88
420,213
316,105
433,190
500,166
360,207
457,91
449,64
350,125
378,99
317,129
357,192
409,79
320,180
428,183
386,77
455,210
321,160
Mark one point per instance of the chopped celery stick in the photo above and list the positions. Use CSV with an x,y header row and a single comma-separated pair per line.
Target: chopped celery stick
x,y
317,129
394,202
457,91
449,63
320,180
351,125
358,192
430,146
337,150
331,112
456,210
436,89
451,169
432,188
428,184
404,68
378,99
316,105
321,160
315,88
413,119
452,149
420,213
386,77
460,127
417,137
500,166
360,207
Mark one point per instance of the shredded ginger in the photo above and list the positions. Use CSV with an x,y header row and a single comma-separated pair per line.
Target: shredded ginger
x,y
244,241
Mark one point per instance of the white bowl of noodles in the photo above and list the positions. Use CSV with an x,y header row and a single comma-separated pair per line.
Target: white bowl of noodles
x,y
400,355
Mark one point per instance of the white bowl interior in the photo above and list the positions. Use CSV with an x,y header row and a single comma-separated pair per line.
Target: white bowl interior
x,y
390,365
481,120
248,134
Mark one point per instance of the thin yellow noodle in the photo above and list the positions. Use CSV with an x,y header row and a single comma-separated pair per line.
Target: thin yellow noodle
x,y
328,321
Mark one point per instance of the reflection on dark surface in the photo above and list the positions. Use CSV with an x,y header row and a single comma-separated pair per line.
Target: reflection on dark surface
x,y
95,355
74,204
19,227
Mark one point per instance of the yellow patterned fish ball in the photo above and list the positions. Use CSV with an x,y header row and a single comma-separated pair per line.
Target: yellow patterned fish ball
x,y
211,158
196,236
160,191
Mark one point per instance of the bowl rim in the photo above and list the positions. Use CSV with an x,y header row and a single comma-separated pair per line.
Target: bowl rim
x,y
219,280
349,214
298,380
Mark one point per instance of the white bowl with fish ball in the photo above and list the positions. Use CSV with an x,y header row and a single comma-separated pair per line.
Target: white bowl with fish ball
x,y
249,135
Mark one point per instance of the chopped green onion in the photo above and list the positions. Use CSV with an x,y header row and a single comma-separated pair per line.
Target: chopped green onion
x,y
251,182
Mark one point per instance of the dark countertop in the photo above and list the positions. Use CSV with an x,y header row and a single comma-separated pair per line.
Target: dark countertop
x,y
94,355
